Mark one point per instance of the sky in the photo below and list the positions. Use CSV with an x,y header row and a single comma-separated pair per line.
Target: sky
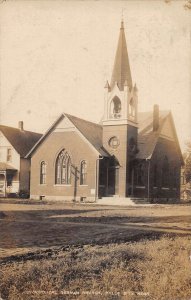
x,y
55,56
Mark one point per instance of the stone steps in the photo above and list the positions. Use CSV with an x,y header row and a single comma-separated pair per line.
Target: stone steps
x,y
140,200
122,201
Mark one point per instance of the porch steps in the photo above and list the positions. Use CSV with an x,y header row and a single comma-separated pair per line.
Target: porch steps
x,y
122,201
140,200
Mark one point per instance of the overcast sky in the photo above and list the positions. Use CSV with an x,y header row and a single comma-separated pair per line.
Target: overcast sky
x,y
57,55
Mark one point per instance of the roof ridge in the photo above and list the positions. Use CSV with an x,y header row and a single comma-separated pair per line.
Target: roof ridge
x,y
15,128
97,124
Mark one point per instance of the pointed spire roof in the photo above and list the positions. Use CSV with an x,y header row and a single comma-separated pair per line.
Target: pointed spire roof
x,y
107,86
121,70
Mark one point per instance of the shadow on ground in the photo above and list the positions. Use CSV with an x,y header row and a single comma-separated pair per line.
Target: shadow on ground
x,y
30,229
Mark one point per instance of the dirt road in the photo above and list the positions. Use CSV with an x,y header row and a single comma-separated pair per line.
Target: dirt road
x,y
29,226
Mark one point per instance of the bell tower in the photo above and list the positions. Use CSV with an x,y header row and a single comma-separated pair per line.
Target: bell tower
x,y
120,118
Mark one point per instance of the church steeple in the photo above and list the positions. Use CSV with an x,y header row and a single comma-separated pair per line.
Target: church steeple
x,y
121,70
121,97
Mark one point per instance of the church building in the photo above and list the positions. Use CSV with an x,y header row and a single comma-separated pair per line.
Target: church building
x,y
128,154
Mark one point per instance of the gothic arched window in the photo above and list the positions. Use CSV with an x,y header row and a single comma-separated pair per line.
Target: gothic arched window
x,y
43,172
175,181
63,168
83,172
115,108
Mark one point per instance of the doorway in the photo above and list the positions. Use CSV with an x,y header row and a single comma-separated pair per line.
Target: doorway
x,y
113,181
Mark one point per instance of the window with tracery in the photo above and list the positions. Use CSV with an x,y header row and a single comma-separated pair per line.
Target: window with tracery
x,y
63,168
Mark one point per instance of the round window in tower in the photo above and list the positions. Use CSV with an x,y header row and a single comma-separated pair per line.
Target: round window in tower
x,y
113,142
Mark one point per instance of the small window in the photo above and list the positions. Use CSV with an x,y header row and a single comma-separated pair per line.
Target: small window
x,y
9,154
43,173
183,178
132,145
114,142
83,172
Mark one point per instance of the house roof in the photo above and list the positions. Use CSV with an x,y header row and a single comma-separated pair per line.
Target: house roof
x,y
145,120
5,167
146,145
21,140
147,138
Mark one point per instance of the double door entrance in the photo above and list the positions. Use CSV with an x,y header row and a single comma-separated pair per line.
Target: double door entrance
x,y
112,187
108,178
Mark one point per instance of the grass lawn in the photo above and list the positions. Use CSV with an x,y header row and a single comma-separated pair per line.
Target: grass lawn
x,y
67,251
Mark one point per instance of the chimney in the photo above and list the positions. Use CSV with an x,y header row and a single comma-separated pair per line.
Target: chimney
x,y
155,117
20,125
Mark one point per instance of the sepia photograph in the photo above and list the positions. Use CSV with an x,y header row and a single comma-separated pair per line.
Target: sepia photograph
x,y
95,150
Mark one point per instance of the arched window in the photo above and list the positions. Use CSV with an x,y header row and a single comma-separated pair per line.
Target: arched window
x,y
132,145
63,168
165,173
115,108
83,172
183,178
175,181
43,172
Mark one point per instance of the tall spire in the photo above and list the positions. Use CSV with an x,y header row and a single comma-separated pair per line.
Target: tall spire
x,y
121,70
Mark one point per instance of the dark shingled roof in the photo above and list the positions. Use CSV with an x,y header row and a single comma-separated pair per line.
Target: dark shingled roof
x,y
21,140
146,145
93,132
121,70
147,138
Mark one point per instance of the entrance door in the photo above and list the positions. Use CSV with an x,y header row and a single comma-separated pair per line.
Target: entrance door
x,y
113,180
2,185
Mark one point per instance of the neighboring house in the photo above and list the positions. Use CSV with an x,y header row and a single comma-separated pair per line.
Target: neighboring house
x,y
129,154
14,167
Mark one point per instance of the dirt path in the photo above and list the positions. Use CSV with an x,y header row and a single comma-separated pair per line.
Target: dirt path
x,y
30,227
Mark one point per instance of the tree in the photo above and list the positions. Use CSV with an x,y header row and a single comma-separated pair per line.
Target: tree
x,y
187,160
